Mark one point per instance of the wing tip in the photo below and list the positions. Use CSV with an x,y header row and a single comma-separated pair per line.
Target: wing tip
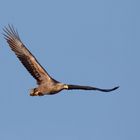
x,y
10,32
116,87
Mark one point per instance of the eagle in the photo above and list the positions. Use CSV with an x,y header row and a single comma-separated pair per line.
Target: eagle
x,y
47,85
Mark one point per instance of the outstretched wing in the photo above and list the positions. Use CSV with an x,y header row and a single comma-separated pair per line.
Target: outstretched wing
x,y
70,87
25,56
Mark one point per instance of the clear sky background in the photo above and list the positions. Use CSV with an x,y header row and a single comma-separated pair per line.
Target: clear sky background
x,y
88,42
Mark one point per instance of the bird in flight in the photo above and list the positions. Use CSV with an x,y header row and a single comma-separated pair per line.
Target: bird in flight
x,y
46,84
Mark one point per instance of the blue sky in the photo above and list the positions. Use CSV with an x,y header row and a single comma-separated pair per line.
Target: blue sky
x,y
88,42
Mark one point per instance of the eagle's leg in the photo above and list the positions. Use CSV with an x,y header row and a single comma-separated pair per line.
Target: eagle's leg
x,y
35,92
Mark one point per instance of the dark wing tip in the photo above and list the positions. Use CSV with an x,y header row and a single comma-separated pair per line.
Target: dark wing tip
x,y
10,33
115,88
108,90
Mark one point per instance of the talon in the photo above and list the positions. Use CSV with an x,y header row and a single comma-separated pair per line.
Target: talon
x,y
33,92
40,94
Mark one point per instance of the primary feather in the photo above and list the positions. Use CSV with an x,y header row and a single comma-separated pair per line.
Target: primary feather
x,y
25,56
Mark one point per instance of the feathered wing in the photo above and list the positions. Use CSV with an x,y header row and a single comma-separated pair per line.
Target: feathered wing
x,y
70,87
25,56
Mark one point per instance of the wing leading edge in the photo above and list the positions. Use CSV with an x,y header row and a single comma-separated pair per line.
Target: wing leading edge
x,y
25,56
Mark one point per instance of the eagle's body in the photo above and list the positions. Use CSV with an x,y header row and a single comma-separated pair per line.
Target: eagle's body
x,y
46,84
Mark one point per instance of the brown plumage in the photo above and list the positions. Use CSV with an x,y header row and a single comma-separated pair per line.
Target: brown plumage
x,y
46,84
